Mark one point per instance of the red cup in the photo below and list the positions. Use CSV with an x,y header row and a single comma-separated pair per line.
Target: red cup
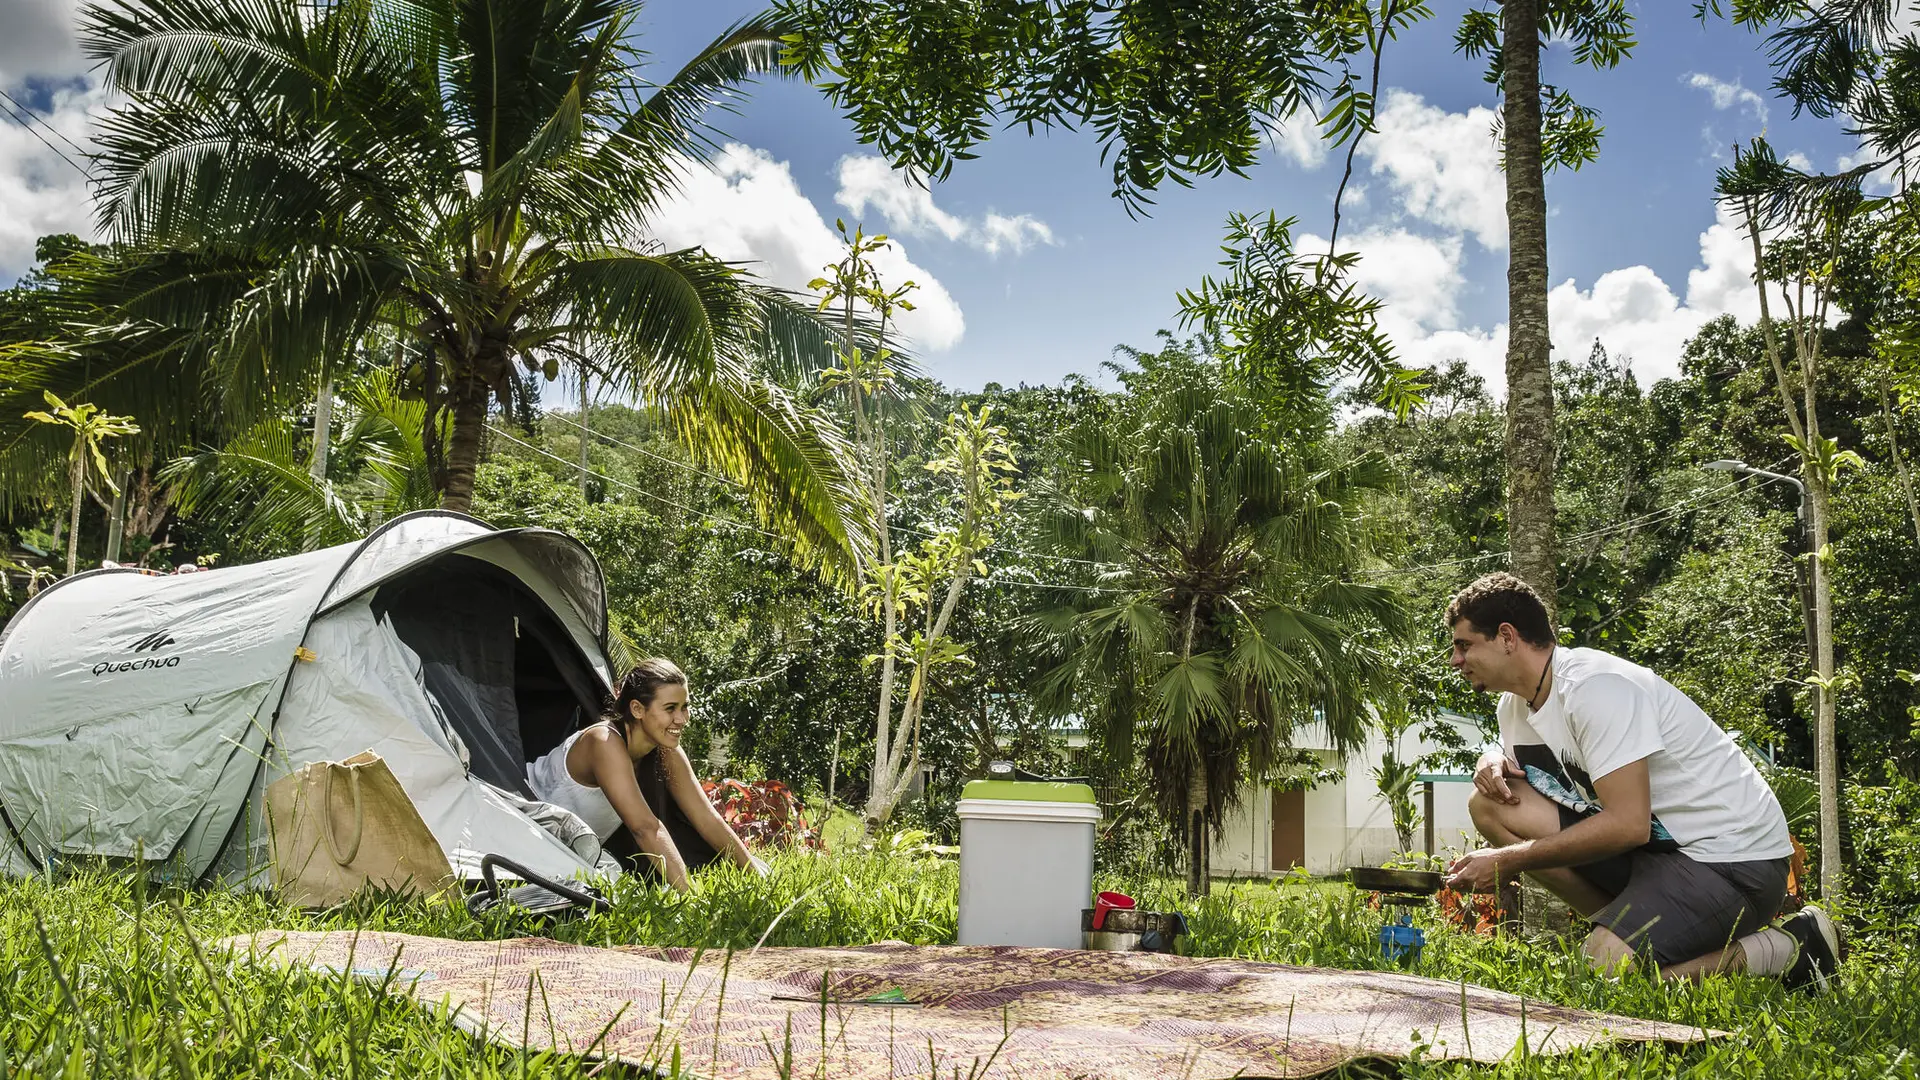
x,y
1109,901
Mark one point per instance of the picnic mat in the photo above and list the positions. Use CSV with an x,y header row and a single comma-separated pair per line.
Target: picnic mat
x,y
895,1010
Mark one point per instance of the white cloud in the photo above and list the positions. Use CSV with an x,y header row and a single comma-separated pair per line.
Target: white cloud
x,y
1631,311
744,206
39,42
41,192
1443,167
1416,278
1729,95
1442,170
1881,181
1297,139
909,209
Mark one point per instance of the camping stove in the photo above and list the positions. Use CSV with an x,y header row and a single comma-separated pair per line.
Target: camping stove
x,y
1401,891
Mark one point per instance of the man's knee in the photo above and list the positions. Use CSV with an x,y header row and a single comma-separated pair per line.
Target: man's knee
x,y
1490,816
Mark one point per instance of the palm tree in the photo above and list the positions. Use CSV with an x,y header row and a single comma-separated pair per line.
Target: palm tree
x,y
471,177
1228,621
91,426
1530,439
260,493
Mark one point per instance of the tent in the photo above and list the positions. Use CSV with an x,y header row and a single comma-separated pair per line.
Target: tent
x,y
142,716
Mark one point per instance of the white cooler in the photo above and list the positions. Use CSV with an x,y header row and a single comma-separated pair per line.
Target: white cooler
x,y
1026,862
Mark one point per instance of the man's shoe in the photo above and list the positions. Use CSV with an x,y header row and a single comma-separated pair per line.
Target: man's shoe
x,y
1817,964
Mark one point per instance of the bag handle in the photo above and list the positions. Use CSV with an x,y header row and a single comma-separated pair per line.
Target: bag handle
x,y
359,817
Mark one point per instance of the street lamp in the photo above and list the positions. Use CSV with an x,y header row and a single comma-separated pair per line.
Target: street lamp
x,y
1741,468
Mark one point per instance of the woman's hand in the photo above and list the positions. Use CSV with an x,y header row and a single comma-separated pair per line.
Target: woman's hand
x,y
758,866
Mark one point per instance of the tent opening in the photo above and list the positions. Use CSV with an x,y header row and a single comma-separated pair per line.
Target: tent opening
x,y
507,676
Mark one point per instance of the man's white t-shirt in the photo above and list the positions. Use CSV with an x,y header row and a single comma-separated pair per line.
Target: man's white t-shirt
x,y
1604,712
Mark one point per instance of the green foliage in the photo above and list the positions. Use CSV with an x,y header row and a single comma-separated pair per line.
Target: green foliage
x,y
1883,825
91,426
1172,91
258,492
1601,34
1225,619
1291,324
471,201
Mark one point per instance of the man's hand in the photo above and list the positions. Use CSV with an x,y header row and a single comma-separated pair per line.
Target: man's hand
x,y
1490,779
1480,871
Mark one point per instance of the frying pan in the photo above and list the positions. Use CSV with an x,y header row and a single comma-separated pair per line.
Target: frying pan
x,y
1375,879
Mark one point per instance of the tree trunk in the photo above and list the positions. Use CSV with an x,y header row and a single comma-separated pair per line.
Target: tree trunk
x,y
469,397
117,517
322,431
1826,761
79,472
1199,836
1899,460
1530,442
585,433
879,808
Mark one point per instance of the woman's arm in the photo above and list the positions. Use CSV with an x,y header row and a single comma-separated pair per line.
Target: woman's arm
x,y
705,819
613,775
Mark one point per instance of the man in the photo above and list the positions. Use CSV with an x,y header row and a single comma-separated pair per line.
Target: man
x,y
1615,791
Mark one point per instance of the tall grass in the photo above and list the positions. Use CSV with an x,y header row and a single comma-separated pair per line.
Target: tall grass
x,y
109,977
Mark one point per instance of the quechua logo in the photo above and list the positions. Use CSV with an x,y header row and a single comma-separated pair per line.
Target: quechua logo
x,y
154,642
151,644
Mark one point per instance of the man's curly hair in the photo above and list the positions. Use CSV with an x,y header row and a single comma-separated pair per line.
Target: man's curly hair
x,y
1498,598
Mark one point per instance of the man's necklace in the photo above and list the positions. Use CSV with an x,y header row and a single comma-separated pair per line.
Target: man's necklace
x,y
1544,668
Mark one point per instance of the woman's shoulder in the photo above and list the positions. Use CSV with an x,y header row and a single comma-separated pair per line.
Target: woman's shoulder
x,y
600,738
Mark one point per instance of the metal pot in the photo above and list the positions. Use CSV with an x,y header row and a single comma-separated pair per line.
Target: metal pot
x,y
1132,931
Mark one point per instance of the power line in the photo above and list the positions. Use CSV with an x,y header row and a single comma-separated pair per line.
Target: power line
x,y
732,483
31,130
644,452
77,148
574,465
1699,500
724,522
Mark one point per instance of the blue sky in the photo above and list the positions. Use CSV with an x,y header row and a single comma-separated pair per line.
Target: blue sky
x,y
1031,270
1108,279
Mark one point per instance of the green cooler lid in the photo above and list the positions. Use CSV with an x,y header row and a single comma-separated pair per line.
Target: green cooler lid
x,y
1027,791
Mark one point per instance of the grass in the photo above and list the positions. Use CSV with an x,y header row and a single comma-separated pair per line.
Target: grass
x,y
111,978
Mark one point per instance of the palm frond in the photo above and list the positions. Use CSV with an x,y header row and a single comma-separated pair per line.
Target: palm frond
x,y
257,491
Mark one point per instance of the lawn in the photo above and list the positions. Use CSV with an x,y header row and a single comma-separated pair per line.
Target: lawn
x,y
110,978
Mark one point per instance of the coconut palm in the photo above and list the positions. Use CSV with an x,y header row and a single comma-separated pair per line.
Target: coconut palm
x,y
1229,623
471,178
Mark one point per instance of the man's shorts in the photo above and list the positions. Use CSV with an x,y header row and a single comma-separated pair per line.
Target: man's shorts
x,y
1673,908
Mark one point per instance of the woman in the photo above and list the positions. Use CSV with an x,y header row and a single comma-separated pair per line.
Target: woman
x,y
628,769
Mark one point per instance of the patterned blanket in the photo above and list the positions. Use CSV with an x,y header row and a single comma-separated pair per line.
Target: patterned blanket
x,y
894,1010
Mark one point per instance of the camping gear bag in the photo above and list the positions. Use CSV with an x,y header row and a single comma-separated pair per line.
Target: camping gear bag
x,y
339,826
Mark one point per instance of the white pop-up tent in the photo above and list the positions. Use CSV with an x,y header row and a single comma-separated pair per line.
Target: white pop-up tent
x,y
142,716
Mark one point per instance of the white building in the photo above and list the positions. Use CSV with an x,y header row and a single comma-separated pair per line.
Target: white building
x,y
1345,822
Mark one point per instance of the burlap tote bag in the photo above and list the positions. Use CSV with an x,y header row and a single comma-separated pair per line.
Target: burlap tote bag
x,y
339,826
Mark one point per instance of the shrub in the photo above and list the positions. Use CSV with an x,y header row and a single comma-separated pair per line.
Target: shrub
x,y
764,813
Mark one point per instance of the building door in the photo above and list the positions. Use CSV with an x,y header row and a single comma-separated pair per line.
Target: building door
x,y
1289,829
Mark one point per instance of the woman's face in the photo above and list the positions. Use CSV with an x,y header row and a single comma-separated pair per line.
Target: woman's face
x,y
663,719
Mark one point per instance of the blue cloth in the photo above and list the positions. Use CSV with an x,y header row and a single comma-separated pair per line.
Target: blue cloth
x,y
1549,785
